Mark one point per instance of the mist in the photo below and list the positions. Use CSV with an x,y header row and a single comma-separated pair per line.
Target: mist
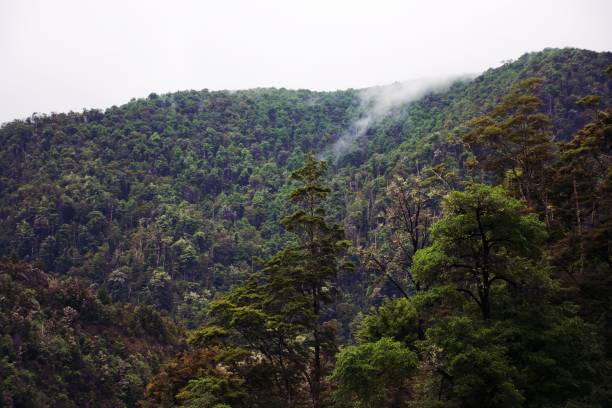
x,y
379,102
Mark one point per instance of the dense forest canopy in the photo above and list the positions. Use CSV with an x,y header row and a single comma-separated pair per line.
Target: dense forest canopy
x,y
456,253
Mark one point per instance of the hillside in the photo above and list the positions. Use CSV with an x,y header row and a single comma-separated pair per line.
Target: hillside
x,y
168,199
119,227
62,346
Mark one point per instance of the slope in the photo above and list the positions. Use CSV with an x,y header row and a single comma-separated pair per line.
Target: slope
x,y
170,198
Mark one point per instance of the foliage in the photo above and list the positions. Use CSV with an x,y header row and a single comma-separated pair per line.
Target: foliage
x,y
195,182
478,217
374,374
482,238
61,345
274,325
514,141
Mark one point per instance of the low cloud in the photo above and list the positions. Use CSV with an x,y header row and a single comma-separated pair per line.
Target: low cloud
x,y
379,102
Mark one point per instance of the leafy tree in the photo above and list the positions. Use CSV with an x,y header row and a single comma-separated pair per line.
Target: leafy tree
x,y
313,261
515,143
374,374
483,238
279,314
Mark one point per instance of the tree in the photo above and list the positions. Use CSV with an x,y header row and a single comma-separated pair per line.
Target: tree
x,y
516,352
374,374
279,313
313,263
266,330
412,209
514,142
483,238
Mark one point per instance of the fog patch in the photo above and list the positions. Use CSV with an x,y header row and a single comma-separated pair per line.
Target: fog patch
x,y
379,102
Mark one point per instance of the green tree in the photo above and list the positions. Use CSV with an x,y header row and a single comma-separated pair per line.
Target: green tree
x,y
510,350
313,263
514,141
374,374
483,238
279,313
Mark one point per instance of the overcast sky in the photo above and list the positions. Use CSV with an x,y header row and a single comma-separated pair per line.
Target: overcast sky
x,y
66,55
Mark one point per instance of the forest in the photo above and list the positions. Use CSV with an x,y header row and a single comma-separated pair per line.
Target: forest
x,y
218,249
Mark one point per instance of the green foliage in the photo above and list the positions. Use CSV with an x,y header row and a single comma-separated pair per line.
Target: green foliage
x,y
191,183
272,329
373,374
475,366
60,345
489,329
170,202
407,319
205,392
195,182
514,141
483,238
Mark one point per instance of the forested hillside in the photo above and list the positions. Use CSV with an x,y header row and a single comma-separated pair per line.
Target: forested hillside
x,y
167,199
475,219
63,346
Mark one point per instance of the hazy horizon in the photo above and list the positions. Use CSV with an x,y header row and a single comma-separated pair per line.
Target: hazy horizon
x,y
70,55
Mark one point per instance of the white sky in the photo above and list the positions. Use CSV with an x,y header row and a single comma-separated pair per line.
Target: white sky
x,y
66,55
